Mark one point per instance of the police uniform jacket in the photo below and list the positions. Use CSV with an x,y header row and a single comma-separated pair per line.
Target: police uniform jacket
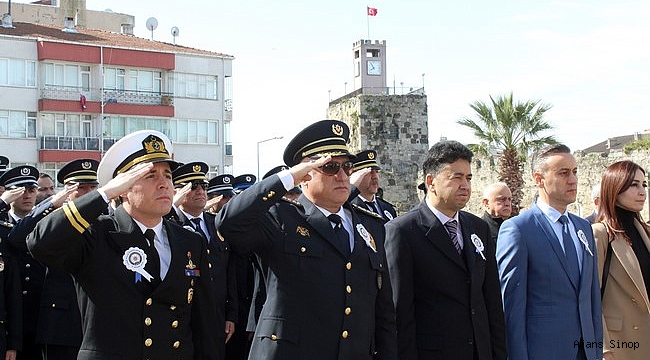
x,y
124,318
32,272
321,303
11,306
58,320
222,274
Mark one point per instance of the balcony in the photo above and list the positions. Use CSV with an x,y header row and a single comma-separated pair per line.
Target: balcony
x,y
75,143
111,96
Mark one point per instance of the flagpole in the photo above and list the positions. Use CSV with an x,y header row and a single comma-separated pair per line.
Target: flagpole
x,y
368,21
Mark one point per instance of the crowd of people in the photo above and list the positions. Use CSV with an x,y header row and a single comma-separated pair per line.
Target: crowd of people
x,y
142,257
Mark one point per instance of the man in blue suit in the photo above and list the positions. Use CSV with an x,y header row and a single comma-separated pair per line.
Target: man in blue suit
x,y
548,270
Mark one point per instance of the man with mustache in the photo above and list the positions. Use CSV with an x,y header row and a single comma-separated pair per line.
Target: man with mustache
x,y
366,180
143,282
548,269
444,274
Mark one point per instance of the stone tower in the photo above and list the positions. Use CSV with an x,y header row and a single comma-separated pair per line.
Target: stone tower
x,y
396,126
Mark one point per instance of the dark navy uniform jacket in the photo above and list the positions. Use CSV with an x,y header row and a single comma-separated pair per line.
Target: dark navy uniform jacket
x,y
11,306
321,303
123,318
222,273
56,313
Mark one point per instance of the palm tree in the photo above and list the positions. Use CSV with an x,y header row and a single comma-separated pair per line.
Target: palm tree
x,y
511,131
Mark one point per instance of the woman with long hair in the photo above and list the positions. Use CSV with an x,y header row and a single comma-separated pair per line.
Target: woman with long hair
x,y
621,230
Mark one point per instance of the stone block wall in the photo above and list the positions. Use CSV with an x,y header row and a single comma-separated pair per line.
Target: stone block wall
x,y
396,126
590,169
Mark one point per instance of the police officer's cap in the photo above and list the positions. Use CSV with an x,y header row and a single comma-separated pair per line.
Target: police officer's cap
x,y
82,171
366,159
221,185
144,146
322,138
191,172
20,176
275,170
243,182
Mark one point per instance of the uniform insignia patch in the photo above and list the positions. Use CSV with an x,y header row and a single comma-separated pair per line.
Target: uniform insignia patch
x,y
294,202
302,231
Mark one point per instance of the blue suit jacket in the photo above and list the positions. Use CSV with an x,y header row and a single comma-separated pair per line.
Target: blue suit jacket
x,y
546,314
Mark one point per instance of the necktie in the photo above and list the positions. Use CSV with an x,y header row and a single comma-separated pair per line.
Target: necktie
x,y
342,236
570,250
371,206
153,260
197,227
452,228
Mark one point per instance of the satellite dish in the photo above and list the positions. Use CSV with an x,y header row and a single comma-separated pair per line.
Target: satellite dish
x,y
152,24
175,33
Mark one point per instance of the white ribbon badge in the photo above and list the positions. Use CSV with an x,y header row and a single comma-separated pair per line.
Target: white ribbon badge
x,y
478,244
367,237
583,240
135,259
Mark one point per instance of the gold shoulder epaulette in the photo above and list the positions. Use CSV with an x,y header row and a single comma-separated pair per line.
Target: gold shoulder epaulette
x,y
294,202
366,211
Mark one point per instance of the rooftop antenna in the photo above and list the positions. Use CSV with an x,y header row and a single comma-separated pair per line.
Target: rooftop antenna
x,y
175,33
152,24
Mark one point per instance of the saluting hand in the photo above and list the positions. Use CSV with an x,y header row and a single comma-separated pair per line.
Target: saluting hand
x,y
212,202
60,197
181,194
10,355
357,177
123,182
11,195
300,172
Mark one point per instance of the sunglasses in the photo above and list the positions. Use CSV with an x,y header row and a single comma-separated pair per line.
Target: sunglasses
x,y
332,168
202,185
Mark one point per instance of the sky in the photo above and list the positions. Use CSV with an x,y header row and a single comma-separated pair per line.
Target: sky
x,y
589,59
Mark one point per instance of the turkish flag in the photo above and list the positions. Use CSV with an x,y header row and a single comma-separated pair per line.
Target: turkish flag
x,y
372,11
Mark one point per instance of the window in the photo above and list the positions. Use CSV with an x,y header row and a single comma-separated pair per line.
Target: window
x,y
18,124
74,125
17,72
64,75
195,86
178,130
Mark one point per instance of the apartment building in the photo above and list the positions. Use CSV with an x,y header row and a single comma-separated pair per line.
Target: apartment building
x,y
71,92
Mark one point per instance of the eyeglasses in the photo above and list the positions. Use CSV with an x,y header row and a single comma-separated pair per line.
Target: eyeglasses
x,y
332,168
203,186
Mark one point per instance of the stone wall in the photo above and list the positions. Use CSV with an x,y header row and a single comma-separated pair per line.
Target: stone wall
x,y
590,169
396,126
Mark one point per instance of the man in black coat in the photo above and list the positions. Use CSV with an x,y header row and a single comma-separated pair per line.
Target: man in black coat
x,y
497,202
143,282
443,268
366,180
328,292
191,196
32,273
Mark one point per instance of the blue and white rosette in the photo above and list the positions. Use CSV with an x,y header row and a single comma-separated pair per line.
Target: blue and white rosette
x,y
135,260
367,237
478,244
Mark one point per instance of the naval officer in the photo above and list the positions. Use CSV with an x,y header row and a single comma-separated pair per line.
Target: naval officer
x,y
141,280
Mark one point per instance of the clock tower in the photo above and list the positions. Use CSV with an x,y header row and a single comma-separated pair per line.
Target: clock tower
x,y
370,66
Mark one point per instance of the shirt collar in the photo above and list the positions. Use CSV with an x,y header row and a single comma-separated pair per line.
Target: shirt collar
x,y
552,214
157,228
442,217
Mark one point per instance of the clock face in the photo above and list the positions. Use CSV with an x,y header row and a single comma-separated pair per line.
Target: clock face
x,y
374,67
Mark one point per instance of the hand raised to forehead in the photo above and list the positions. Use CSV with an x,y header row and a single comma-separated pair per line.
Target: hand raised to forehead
x,y
11,195
181,194
123,182
357,177
212,202
300,171
59,198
